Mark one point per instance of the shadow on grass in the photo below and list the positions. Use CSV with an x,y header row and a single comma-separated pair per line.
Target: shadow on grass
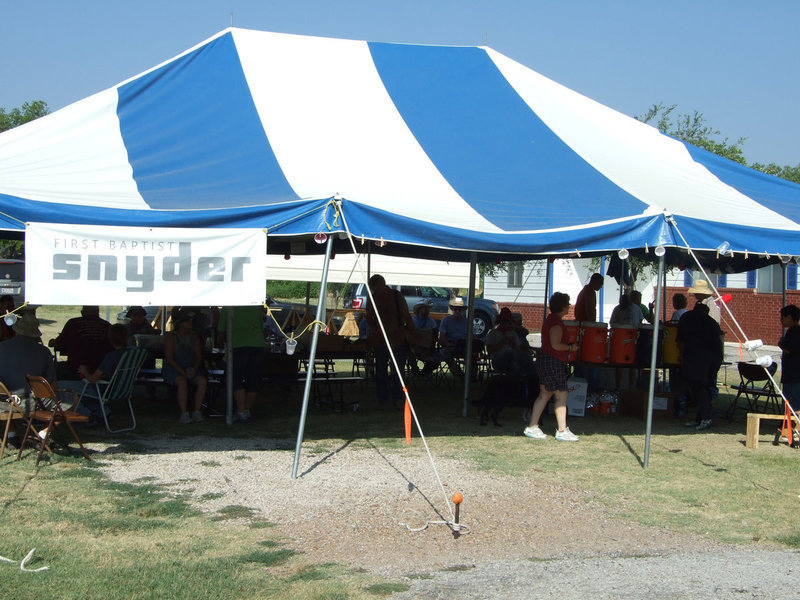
x,y
631,450
326,458
277,414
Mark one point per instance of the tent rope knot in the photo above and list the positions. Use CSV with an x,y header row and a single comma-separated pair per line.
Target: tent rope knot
x,y
336,213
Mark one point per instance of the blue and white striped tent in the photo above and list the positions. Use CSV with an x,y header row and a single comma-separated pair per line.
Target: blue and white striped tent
x,y
432,148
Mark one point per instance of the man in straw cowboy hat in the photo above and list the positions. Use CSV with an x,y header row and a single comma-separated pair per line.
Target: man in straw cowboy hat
x,y
24,354
453,335
700,340
704,294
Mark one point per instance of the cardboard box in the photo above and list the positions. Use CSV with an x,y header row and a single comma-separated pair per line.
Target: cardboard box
x,y
634,404
576,398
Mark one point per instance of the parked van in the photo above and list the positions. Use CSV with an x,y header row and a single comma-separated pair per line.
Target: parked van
x,y
12,279
486,311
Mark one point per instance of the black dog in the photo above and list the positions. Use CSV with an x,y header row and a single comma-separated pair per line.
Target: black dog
x,y
504,390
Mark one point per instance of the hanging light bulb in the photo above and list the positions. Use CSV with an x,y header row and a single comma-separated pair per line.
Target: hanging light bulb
x,y
660,251
623,253
320,238
786,259
287,256
10,319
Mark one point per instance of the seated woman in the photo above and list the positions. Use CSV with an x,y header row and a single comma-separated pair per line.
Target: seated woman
x,y
505,348
183,365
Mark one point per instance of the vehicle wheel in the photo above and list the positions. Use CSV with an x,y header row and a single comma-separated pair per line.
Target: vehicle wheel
x,y
480,325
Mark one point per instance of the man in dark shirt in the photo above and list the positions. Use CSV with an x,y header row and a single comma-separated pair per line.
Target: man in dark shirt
x,y
790,358
586,302
391,306
700,340
84,340
586,310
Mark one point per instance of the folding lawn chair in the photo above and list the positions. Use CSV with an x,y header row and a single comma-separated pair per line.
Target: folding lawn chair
x,y
10,410
754,385
49,410
119,387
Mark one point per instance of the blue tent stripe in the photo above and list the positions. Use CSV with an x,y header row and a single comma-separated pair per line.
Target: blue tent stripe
x,y
194,137
375,223
779,195
488,144
291,218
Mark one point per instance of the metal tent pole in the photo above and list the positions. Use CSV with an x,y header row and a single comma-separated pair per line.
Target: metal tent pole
x,y
653,357
229,368
547,264
473,261
312,353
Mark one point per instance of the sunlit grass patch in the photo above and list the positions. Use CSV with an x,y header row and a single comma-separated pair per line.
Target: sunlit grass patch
x,y
387,588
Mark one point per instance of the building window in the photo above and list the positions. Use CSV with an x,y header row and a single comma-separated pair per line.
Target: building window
x,y
770,279
515,275
718,281
791,277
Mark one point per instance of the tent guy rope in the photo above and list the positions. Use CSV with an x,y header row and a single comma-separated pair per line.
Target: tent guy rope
x,y
399,373
747,345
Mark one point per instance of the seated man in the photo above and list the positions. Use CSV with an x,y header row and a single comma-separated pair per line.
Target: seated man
x,y
84,340
24,354
426,339
453,337
90,404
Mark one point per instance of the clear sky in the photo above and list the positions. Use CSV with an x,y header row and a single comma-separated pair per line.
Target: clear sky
x,y
735,61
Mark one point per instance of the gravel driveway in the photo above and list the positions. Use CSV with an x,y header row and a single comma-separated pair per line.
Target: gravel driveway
x,y
356,504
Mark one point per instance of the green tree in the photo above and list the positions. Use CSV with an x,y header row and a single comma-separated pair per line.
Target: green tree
x,y
693,129
8,120
27,112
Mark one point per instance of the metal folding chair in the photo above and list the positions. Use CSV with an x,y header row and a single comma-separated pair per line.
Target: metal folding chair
x,y
755,384
10,410
50,411
119,387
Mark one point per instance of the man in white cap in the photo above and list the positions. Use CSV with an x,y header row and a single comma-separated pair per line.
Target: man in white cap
x,y
24,354
453,335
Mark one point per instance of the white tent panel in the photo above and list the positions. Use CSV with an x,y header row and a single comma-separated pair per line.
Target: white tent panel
x,y
637,165
349,268
74,156
336,128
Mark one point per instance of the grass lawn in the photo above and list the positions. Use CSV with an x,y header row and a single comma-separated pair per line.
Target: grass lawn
x,y
107,540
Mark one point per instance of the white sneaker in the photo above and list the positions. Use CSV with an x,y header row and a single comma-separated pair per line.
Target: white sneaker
x,y
534,433
197,416
185,418
566,436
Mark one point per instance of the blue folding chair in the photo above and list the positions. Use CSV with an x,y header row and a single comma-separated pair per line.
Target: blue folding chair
x,y
120,386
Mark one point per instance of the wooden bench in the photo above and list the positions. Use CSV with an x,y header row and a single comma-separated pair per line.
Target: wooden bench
x,y
753,424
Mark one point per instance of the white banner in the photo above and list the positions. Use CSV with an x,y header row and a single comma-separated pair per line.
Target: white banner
x,y
147,266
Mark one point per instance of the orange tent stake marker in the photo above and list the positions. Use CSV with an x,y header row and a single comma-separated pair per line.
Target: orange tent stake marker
x,y
788,424
407,415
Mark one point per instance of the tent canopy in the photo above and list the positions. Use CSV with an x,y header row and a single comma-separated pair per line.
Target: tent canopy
x,y
434,150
